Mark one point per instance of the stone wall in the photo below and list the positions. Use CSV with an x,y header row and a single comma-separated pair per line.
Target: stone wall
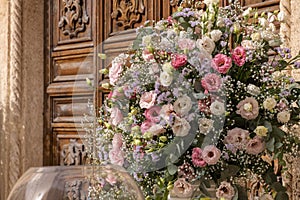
x,y
21,89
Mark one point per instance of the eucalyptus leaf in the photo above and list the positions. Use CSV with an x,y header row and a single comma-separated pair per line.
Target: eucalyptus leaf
x,y
270,144
268,125
278,133
278,145
172,169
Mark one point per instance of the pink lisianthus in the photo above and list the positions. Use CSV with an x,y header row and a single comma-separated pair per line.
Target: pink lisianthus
x,y
239,56
186,43
148,99
116,157
146,125
114,72
211,154
117,141
255,145
248,108
197,157
152,114
178,60
221,63
237,137
116,116
211,82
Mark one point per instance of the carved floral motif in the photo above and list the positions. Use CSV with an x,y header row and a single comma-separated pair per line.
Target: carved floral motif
x,y
72,153
127,12
74,190
73,17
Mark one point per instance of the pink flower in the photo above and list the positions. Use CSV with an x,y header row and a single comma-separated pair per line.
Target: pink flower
x,y
211,154
114,72
148,99
211,82
116,157
221,63
111,179
147,55
186,43
156,129
146,125
117,141
248,108
204,105
197,157
166,111
225,191
237,137
170,20
239,56
178,60
152,114
115,116
182,188
255,145
186,171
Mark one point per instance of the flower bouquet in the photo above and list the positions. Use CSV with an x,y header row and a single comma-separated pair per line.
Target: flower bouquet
x,y
201,98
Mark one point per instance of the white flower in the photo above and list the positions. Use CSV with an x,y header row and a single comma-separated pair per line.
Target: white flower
x,y
277,75
217,108
248,44
269,103
247,12
253,90
205,125
271,17
216,35
166,79
272,27
181,127
156,129
220,22
146,40
261,131
267,35
167,67
207,44
281,16
256,36
208,2
183,105
283,117
263,22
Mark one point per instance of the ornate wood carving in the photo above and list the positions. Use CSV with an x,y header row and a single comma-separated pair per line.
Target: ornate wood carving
x,y
74,17
174,2
74,190
127,12
72,153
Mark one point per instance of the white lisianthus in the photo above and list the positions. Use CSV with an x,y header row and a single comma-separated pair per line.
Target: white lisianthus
x,y
205,125
261,131
217,108
181,127
247,12
253,90
167,67
146,40
156,129
256,36
220,22
182,105
248,44
166,79
216,35
277,75
283,117
269,103
267,35
281,16
272,27
271,17
207,44
263,22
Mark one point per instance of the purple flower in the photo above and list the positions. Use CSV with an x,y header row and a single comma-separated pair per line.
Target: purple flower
x,y
297,65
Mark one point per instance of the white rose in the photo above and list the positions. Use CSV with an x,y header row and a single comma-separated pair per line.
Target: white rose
x,y
261,131
207,44
205,125
269,103
216,35
217,108
166,79
183,105
181,127
283,117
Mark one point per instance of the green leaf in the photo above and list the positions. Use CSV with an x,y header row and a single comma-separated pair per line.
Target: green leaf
x,y
278,145
278,187
278,133
270,144
229,171
268,125
270,177
281,196
172,169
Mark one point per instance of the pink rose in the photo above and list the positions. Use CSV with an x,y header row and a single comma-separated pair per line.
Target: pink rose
x,y
116,157
147,99
255,145
211,82
239,56
117,141
211,154
152,114
114,72
221,63
146,125
147,55
197,157
116,116
178,60
248,108
186,43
